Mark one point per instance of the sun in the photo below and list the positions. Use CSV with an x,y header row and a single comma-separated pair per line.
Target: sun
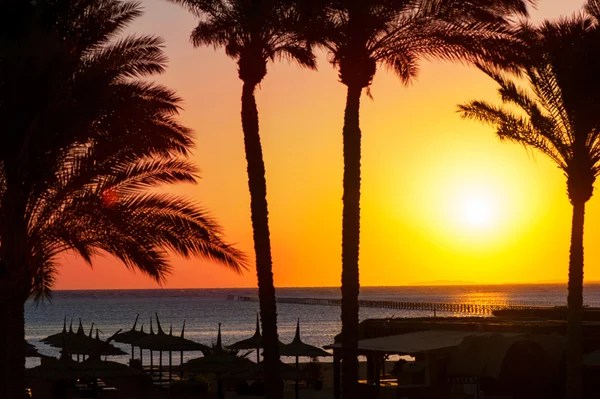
x,y
477,211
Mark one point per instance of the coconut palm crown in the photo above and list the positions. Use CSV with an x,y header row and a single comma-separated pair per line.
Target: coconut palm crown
x,y
85,143
554,111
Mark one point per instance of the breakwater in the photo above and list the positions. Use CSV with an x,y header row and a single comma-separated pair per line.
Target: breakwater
x,y
484,309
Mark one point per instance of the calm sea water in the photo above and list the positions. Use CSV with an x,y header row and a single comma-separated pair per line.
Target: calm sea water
x,y
203,309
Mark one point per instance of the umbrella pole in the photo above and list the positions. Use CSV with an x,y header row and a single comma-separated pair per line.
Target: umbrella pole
x,y
151,362
160,366
141,359
132,352
180,363
297,388
257,355
220,392
170,366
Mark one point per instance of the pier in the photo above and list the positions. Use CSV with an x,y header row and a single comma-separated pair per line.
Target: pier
x,y
483,309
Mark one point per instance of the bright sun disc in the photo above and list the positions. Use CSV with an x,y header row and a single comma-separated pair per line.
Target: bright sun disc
x,y
477,211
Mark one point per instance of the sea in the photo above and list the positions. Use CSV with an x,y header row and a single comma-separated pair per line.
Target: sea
x,y
203,310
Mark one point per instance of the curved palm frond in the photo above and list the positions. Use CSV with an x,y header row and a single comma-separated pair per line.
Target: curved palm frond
x,y
560,102
88,167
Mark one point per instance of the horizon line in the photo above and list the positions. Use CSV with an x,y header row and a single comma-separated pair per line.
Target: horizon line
x,y
431,284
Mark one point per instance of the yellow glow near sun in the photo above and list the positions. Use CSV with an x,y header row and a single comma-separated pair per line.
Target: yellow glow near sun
x,y
477,211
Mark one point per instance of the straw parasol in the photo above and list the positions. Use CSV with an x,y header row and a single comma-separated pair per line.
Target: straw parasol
x,y
163,342
82,344
57,339
217,361
298,348
93,368
131,336
254,342
79,343
31,351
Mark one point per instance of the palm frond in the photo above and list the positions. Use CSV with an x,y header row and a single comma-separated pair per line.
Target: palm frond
x,y
512,128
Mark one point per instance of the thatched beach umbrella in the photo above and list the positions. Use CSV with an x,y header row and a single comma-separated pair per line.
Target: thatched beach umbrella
x,y
79,343
217,361
31,351
57,339
82,344
163,342
66,369
254,342
131,336
298,348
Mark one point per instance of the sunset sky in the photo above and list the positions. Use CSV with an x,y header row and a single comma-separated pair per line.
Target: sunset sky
x,y
443,199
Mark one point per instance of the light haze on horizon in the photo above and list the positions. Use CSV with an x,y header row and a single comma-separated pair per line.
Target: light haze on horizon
x,y
442,198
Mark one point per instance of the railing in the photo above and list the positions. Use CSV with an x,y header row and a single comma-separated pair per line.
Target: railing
x,y
422,306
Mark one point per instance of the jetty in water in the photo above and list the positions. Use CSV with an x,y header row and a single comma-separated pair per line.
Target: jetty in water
x,y
482,309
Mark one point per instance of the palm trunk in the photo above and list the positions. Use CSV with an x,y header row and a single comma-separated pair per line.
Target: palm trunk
x,y
12,347
350,243
575,305
262,242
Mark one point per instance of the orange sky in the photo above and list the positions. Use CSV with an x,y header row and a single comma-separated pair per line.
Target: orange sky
x,y
422,167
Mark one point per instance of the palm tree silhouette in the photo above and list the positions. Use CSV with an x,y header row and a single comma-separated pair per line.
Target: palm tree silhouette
x,y
360,35
254,33
559,119
85,141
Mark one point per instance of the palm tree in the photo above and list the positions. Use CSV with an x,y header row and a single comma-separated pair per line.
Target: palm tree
x,y
559,118
254,33
362,35
84,142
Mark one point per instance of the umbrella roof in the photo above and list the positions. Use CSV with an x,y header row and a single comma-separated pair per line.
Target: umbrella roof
x,y
86,345
168,342
216,360
131,336
252,372
31,351
253,342
57,339
299,348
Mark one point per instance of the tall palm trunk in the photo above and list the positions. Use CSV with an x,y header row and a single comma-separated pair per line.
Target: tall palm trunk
x,y
262,242
14,287
575,304
12,343
350,243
